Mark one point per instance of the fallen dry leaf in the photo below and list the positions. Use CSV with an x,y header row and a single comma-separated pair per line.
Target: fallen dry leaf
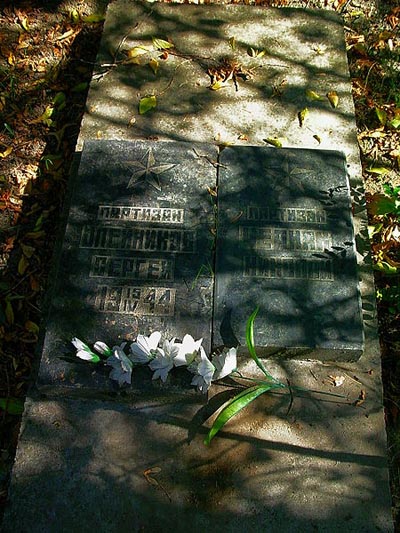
x,y
333,98
361,398
302,115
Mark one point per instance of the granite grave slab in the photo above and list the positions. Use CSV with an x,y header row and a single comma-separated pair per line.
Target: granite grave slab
x,y
286,244
136,257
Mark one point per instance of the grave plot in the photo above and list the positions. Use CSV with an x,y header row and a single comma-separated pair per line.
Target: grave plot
x,y
279,465
286,244
137,253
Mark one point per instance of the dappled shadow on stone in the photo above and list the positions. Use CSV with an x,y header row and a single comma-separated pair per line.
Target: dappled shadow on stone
x,y
286,245
99,465
304,50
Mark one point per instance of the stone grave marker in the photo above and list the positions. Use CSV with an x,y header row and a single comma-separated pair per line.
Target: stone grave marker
x,y
137,254
286,244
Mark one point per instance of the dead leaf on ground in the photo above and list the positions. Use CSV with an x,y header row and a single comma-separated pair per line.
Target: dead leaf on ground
x,y
333,98
275,141
153,64
232,42
302,115
312,95
361,398
6,152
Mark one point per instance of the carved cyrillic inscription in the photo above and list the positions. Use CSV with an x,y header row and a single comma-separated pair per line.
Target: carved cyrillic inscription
x,y
285,239
138,239
288,268
140,268
155,301
163,215
287,214
121,229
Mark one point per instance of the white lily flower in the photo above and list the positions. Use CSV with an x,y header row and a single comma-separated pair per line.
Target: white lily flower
x,y
204,373
122,366
204,370
102,348
225,364
79,345
163,361
188,350
84,352
143,350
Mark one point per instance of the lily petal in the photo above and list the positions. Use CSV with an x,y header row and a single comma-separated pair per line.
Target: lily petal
x,y
79,345
188,350
225,364
102,348
142,349
88,356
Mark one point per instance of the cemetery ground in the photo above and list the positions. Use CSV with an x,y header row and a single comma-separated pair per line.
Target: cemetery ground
x,y
47,50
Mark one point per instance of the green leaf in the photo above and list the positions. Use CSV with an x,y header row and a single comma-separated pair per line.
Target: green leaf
x,y
45,117
381,171
9,129
382,115
234,406
147,103
312,95
395,123
12,406
94,18
59,101
74,15
160,44
250,343
381,204
274,141
390,190
23,264
374,230
385,268
80,87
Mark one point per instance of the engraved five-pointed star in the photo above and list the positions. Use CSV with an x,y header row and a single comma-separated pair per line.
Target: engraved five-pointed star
x,y
286,179
146,171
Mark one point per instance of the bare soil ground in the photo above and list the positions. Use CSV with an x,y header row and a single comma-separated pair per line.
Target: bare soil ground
x,y
47,49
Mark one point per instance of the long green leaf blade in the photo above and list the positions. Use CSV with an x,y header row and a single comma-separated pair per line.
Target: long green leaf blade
x,y
234,406
250,342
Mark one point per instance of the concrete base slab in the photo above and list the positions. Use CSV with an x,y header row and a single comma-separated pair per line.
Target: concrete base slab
x,y
298,58
92,465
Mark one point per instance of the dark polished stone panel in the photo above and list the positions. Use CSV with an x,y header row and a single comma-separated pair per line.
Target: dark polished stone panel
x,y
286,244
136,256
